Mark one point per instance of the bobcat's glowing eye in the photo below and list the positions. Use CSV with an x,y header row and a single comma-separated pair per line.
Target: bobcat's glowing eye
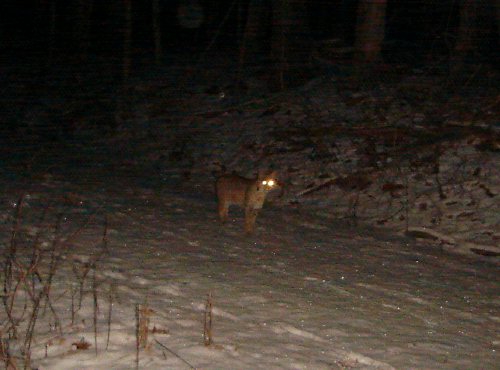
x,y
264,182
270,183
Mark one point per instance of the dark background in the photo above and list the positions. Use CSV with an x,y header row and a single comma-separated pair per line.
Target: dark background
x,y
63,63
417,27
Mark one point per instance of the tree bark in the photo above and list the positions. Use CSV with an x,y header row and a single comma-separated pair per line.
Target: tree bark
x,y
52,30
496,4
467,35
290,42
157,31
466,27
127,38
278,43
82,26
370,30
252,43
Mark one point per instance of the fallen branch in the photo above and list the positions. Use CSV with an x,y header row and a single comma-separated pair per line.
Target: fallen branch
x,y
453,245
322,185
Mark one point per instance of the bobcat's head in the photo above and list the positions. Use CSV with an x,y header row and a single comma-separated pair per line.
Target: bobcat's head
x,y
266,181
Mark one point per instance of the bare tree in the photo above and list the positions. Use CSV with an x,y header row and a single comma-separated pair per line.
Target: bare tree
x,y
290,40
157,30
476,24
370,30
252,44
466,28
46,21
127,38
83,18
52,28
496,4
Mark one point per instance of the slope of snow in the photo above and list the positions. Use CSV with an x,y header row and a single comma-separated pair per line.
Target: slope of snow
x,y
387,155
305,292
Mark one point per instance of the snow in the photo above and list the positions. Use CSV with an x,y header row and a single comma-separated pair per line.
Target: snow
x,y
304,292
372,255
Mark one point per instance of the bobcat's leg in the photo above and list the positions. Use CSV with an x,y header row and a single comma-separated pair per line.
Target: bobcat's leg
x,y
250,217
223,211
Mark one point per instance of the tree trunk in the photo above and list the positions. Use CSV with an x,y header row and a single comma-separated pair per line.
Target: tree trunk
x,y
290,42
370,30
278,44
466,35
466,27
52,31
127,38
82,27
252,44
157,31
496,4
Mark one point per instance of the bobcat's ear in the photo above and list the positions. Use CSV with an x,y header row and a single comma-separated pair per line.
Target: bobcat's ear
x,y
265,174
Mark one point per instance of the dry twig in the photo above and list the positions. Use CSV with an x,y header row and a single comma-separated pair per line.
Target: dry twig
x,y
207,325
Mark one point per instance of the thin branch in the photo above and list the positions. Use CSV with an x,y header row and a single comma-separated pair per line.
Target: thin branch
x,y
110,310
96,307
175,354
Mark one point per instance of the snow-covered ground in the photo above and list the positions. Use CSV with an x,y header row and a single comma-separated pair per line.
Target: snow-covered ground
x,y
386,155
353,262
305,292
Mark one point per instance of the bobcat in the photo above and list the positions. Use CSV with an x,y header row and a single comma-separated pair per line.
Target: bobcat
x,y
249,194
